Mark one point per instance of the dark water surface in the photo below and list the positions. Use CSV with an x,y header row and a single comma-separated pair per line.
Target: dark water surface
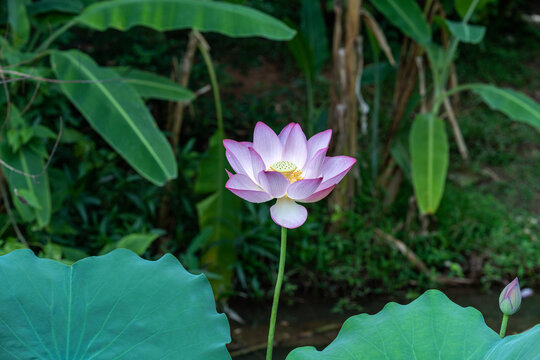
x,y
312,323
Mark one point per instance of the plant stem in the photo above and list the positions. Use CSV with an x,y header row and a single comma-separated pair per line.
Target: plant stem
x,y
202,45
440,80
277,291
44,45
503,326
439,100
455,42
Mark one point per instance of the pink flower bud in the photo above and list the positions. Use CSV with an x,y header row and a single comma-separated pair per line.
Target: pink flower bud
x,y
510,298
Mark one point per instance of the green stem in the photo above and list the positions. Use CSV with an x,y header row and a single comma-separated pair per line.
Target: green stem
x,y
440,80
44,45
440,98
215,86
470,11
503,325
277,291
455,41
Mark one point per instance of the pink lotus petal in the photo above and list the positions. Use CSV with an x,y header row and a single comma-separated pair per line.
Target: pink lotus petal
x,y
302,189
317,142
274,183
319,195
247,144
235,163
266,143
257,164
238,156
333,181
242,182
312,169
251,195
288,214
284,134
229,174
335,166
295,149
242,186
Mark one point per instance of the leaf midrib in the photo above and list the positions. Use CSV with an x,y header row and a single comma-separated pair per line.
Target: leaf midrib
x,y
406,18
155,84
70,301
512,97
232,9
113,101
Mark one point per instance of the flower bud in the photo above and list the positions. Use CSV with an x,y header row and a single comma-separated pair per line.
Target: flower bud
x,y
510,298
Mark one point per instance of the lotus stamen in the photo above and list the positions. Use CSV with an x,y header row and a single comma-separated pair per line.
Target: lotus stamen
x,y
288,169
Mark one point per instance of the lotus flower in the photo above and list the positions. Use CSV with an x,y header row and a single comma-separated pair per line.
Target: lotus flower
x,y
510,298
286,167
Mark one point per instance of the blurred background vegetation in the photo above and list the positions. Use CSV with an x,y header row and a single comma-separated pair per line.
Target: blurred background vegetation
x,y
484,233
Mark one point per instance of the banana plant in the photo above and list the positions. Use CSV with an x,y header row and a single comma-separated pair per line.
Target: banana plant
x,y
111,100
428,142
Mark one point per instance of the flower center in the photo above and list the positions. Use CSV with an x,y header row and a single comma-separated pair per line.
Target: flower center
x,y
288,169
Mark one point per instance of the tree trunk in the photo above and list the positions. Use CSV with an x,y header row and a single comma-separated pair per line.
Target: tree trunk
x,y
343,114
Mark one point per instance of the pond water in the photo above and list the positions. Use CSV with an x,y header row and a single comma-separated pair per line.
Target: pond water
x,y
312,323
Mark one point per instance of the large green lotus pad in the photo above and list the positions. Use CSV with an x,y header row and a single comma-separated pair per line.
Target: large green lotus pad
x,y
431,327
116,306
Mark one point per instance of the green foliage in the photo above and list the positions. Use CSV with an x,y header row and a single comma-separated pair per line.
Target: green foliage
x,y
428,143
110,103
503,59
116,112
228,19
151,86
138,243
113,306
96,198
429,161
9,245
430,327
220,212
18,21
407,16
513,104
304,55
32,197
462,6
466,33
314,29
47,6
515,249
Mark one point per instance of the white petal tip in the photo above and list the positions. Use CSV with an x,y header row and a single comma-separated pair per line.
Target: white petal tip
x,y
288,214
